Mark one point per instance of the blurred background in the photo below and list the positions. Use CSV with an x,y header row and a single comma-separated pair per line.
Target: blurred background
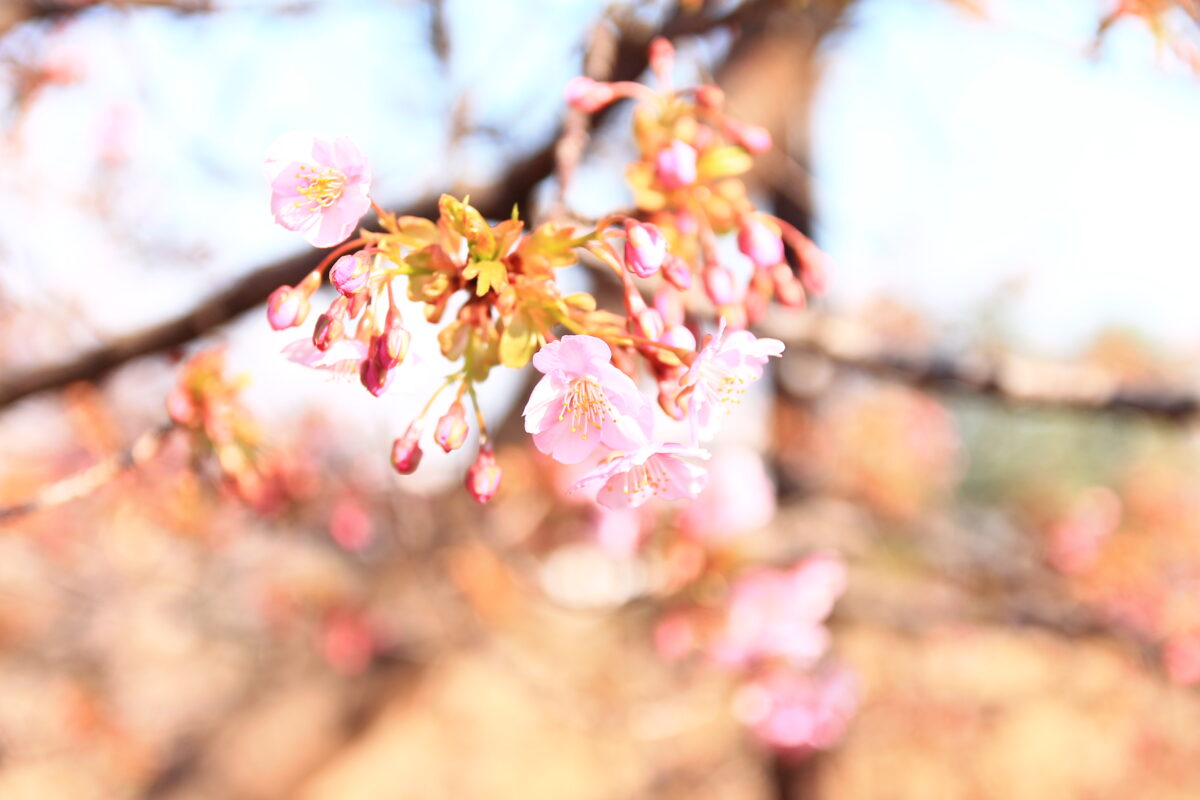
x,y
988,417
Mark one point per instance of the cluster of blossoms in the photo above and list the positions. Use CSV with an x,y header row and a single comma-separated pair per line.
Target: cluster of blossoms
x,y
509,307
207,403
770,630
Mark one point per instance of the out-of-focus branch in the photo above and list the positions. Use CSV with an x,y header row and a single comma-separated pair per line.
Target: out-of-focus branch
x,y
1006,377
92,478
15,12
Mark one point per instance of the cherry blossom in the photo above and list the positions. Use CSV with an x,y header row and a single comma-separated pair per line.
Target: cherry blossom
x,y
584,403
319,186
723,368
652,471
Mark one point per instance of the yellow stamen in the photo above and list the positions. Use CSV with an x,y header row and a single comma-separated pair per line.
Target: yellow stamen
x,y
320,189
585,403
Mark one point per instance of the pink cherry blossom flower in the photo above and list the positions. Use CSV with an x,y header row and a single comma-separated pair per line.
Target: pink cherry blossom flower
x,y
779,614
718,378
651,471
319,186
584,403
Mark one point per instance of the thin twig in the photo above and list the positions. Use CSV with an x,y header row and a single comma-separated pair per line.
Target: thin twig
x,y
88,480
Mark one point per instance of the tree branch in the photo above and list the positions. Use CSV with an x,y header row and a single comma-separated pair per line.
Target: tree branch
x,y
515,187
1007,377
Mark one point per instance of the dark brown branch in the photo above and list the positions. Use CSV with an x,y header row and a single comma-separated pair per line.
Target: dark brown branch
x,y
515,187
1009,378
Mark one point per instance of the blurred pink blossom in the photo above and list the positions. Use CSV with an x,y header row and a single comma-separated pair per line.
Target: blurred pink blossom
x,y
779,614
652,471
739,497
796,713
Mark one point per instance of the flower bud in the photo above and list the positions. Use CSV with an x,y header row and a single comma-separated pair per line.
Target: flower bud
x,y
676,165
649,324
588,95
375,377
718,284
406,451
759,243
662,56
677,273
286,308
181,408
679,336
483,478
349,274
395,338
709,96
789,291
754,138
645,248
451,430
328,330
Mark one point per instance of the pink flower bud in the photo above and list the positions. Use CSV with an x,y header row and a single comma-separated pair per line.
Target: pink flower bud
x,y
286,308
406,451
709,96
754,138
759,243
181,408
375,378
649,324
588,95
662,56
349,274
327,332
645,248
676,165
679,336
789,291
483,478
718,284
677,273
451,430
395,338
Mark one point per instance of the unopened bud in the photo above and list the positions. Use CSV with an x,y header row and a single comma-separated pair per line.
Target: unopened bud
x,y
451,430
760,243
662,56
789,291
375,378
679,336
483,478
678,273
395,338
286,308
349,274
588,95
754,138
718,284
327,331
676,165
645,248
650,324
709,96
406,451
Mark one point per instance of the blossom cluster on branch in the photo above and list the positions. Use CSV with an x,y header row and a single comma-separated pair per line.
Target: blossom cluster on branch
x,y
510,309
